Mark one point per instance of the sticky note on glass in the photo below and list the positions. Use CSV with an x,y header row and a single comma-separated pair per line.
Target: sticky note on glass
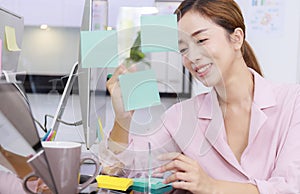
x,y
139,90
11,40
99,49
159,33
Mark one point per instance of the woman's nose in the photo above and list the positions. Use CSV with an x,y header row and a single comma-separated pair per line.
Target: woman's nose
x,y
195,53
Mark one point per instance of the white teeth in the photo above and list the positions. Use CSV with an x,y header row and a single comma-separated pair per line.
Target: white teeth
x,y
201,70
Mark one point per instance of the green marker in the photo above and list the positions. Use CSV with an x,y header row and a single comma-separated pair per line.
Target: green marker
x,y
108,76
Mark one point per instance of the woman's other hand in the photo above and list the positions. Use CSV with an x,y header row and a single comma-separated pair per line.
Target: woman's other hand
x,y
186,174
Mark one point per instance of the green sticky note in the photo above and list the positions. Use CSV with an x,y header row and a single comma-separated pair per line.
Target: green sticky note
x,y
139,90
156,183
159,33
99,49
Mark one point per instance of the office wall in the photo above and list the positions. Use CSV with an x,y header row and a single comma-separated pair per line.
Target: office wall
x,y
277,48
49,52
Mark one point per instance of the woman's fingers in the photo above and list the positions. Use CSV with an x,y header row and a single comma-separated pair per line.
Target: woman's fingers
x,y
115,77
177,176
182,185
168,156
113,82
132,68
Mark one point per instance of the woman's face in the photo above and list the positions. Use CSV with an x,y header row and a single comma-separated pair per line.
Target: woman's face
x,y
206,49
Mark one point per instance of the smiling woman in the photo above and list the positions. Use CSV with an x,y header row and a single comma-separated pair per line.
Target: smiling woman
x,y
218,14
241,137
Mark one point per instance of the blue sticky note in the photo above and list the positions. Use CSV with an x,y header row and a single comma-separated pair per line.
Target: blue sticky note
x,y
159,33
139,90
99,49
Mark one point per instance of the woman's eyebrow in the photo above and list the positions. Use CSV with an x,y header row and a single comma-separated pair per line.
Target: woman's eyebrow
x,y
193,34
198,32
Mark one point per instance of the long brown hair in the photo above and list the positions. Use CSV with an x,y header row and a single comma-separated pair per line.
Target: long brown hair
x,y
225,13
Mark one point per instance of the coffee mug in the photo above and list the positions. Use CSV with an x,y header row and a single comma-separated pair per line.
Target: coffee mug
x,y
65,159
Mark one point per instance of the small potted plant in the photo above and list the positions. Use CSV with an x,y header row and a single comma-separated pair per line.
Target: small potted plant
x,y
136,54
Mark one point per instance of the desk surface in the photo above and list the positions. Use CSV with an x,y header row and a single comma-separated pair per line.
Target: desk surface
x,y
93,189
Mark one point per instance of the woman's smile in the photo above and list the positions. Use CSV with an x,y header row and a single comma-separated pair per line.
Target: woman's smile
x,y
203,70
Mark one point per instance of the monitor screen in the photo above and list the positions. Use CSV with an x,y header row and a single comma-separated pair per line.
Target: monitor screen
x,y
92,89
13,24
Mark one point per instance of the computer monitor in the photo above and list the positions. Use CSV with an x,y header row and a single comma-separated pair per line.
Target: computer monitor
x,y
92,89
10,58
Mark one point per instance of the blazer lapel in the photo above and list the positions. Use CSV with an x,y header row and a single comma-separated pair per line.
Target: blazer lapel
x,y
263,98
215,132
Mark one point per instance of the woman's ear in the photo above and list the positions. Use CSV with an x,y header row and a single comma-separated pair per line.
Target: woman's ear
x,y
237,38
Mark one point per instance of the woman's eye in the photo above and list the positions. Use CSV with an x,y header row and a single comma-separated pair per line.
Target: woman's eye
x,y
183,50
201,41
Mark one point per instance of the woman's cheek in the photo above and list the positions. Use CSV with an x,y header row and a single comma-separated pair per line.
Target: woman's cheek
x,y
186,62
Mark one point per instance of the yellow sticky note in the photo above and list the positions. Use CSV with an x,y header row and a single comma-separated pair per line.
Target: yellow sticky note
x,y
115,183
11,40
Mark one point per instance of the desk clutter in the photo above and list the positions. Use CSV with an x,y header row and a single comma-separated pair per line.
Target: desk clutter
x,y
135,184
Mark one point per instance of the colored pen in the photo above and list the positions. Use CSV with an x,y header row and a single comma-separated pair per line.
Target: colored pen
x,y
101,133
53,136
46,135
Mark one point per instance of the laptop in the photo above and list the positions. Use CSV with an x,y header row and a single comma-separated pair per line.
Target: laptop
x,y
17,117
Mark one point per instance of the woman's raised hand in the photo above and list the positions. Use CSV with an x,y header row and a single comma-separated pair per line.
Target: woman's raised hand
x,y
114,89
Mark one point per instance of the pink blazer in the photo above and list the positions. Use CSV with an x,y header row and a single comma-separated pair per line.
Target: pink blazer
x,y
195,127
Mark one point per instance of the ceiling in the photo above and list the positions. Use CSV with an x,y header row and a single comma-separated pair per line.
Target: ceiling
x,y
66,13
